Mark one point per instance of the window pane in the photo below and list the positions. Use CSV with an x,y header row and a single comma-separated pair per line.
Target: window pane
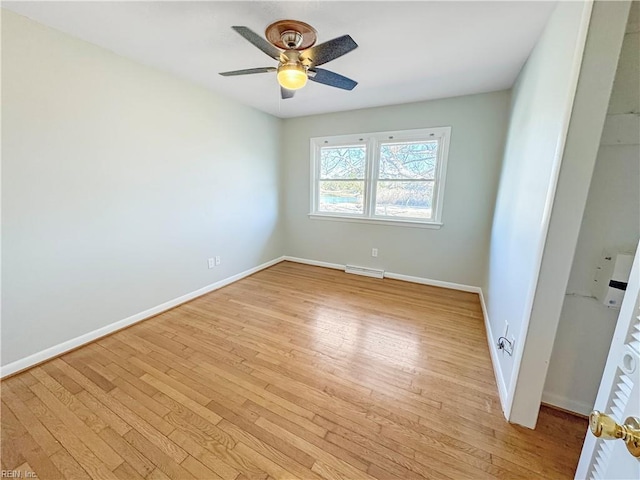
x,y
346,162
405,199
415,160
342,197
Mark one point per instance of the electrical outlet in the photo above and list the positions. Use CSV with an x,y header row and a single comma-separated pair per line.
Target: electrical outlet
x,y
211,263
374,252
218,260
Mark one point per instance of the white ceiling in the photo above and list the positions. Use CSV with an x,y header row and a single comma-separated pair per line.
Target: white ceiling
x,y
408,51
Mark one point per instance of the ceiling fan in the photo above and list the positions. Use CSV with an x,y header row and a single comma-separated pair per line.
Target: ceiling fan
x,y
291,42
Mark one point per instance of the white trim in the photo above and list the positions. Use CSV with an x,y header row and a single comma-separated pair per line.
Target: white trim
x,y
74,343
393,276
373,169
566,403
376,221
497,367
551,192
315,263
433,283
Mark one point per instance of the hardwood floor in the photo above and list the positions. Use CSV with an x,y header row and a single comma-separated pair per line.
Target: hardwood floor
x,y
294,372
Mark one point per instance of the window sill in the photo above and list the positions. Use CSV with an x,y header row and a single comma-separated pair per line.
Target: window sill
x,y
377,221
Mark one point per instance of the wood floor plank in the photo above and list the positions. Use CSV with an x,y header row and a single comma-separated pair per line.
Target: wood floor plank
x,y
131,374
112,420
176,385
68,467
74,445
163,461
30,422
212,386
271,468
198,469
133,457
71,386
132,390
12,430
257,394
126,472
205,433
270,446
328,459
400,466
293,372
266,409
330,472
353,419
310,436
98,446
89,418
211,459
137,423
76,360
182,399
228,456
158,474
142,411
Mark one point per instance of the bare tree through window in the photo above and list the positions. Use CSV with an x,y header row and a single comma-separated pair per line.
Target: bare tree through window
x,y
342,179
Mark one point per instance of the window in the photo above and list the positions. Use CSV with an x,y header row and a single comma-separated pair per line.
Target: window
x,y
385,177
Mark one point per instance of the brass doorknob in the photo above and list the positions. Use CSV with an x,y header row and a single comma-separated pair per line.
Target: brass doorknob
x,y
605,427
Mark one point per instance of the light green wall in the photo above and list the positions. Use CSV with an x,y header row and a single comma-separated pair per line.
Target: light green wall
x,y
456,252
118,182
542,99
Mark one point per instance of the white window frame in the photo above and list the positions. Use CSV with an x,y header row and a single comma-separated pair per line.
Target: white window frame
x,y
373,142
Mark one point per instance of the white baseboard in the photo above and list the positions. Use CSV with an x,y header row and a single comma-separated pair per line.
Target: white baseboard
x,y
74,343
566,403
434,283
493,350
391,275
315,263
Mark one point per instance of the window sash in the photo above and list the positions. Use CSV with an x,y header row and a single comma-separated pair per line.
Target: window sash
x,y
316,153
377,203
376,172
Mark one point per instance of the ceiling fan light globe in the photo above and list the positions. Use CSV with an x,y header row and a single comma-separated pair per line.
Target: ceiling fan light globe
x,y
292,77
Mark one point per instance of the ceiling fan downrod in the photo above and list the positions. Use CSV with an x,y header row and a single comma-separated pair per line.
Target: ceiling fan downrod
x,y
291,39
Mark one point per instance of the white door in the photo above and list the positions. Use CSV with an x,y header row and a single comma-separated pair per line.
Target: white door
x,y
619,393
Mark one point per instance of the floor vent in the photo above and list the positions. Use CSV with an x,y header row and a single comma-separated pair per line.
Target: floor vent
x,y
367,272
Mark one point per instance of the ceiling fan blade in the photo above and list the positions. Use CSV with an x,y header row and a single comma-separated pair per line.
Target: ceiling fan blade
x,y
248,71
284,93
320,75
327,51
258,41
